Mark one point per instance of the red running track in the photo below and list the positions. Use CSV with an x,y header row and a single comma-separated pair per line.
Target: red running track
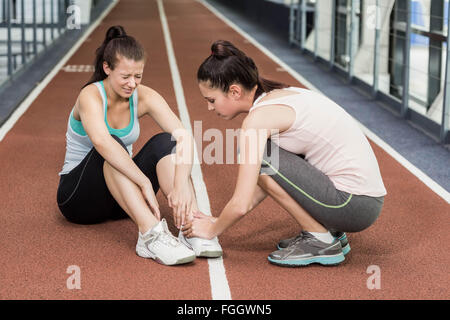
x,y
408,242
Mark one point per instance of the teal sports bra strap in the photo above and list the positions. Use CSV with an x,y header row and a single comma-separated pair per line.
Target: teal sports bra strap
x,y
78,128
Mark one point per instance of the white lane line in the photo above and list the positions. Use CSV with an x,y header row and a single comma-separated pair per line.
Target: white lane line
x,y
23,107
218,279
433,185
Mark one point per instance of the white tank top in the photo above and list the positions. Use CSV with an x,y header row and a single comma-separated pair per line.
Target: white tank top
x,y
78,143
331,141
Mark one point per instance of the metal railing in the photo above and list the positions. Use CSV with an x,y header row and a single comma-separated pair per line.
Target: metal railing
x,y
28,28
397,49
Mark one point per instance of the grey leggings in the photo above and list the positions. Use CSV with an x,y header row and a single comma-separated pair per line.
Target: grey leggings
x,y
336,210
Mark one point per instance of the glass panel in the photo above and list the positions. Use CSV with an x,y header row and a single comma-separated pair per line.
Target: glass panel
x,y
310,10
341,27
386,11
420,14
325,14
365,52
418,77
419,56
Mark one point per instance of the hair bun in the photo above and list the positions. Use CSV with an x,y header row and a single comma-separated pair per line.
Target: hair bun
x,y
222,49
115,32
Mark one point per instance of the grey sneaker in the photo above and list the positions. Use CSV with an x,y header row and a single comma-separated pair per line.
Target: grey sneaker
x,y
337,234
307,249
342,237
163,247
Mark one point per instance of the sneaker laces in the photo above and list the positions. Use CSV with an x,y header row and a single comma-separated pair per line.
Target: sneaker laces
x,y
164,235
301,237
167,238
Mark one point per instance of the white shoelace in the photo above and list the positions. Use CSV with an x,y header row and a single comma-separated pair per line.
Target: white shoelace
x,y
167,238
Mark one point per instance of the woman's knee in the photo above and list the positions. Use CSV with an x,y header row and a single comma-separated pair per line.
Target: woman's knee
x,y
268,184
164,140
264,181
161,145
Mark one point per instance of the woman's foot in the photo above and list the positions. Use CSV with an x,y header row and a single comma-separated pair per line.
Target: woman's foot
x,y
159,244
203,247
307,249
339,235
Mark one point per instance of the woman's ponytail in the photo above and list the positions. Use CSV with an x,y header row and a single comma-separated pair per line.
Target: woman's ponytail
x,y
266,85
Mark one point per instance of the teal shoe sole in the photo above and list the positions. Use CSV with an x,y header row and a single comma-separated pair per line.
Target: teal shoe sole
x,y
346,249
323,260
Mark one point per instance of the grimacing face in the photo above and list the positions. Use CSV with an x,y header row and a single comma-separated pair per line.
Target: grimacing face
x,y
126,76
223,104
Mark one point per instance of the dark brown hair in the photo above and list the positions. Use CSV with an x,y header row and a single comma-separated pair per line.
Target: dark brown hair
x,y
116,43
227,65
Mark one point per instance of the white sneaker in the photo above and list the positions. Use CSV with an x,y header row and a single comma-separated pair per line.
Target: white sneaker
x,y
159,244
203,247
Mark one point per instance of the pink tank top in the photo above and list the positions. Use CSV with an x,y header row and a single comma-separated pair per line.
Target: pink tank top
x,y
331,141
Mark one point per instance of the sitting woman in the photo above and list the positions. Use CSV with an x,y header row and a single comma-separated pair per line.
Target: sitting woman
x,y
100,180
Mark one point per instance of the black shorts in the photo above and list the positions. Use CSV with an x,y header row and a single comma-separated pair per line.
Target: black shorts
x,y
83,196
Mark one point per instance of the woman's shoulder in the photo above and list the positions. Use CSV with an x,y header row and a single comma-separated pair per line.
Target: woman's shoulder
x,y
149,96
145,92
90,90
89,94
149,99
281,93
271,116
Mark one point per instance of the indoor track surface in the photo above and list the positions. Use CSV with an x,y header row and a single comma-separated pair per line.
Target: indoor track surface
x,y
407,245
